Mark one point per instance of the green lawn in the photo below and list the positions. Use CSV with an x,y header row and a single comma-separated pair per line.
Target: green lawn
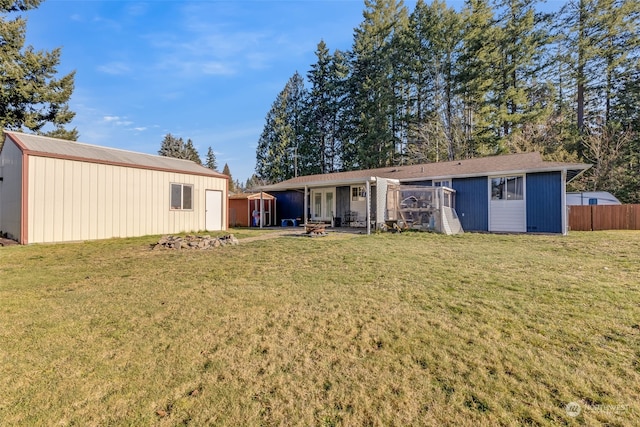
x,y
388,329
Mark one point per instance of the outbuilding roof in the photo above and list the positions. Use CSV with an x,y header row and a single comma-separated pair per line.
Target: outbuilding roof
x,y
43,146
481,166
251,196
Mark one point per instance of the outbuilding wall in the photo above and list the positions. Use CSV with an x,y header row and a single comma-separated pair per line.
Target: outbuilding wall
x,y
72,200
544,202
10,189
472,202
289,204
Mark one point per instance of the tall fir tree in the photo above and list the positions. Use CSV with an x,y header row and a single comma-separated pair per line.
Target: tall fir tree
x,y
172,147
518,95
314,155
477,70
428,56
276,154
371,87
191,153
31,97
211,161
325,112
226,171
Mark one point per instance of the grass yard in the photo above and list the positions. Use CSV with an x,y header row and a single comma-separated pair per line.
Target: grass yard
x,y
408,329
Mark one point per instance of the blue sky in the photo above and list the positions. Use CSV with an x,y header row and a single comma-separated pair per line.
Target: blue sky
x,y
205,70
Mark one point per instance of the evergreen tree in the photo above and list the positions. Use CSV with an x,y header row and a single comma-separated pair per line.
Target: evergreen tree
x,y
226,171
371,87
428,58
477,71
518,95
314,154
211,160
601,40
172,147
31,97
282,134
325,118
190,152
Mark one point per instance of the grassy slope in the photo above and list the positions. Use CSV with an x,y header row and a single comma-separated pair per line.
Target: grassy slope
x,y
417,329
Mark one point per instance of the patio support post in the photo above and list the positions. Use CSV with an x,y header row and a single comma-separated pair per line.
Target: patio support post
x,y
261,210
368,186
565,226
304,214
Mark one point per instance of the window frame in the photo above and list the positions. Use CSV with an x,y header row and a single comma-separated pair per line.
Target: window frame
x,y
515,183
183,200
360,193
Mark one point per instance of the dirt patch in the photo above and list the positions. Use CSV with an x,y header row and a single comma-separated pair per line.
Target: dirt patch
x,y
7,242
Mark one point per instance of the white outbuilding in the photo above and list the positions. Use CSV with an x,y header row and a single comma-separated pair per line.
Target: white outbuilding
x,y
54,190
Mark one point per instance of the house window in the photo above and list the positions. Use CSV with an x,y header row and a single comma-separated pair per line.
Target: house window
x,y
181,196
442,183
358,193
507,188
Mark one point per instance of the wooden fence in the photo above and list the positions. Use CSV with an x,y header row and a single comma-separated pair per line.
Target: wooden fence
x,y
604,217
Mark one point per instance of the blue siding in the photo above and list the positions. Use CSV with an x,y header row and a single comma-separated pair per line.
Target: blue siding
x,y
472,203
544,202
289,204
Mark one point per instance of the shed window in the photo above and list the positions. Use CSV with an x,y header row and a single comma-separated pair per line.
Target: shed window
x,y
442,183
181,196
507,188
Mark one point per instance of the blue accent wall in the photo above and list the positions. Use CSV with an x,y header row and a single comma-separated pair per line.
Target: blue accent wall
x,y
289,204
472,203
544,202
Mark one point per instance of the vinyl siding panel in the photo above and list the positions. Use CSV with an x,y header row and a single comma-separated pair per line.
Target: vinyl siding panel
x,y
544,202
507,215
472,198
71,200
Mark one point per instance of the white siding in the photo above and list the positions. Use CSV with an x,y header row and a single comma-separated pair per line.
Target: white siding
x,y
10,189
72,200
507,215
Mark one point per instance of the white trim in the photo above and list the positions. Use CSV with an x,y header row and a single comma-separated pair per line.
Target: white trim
x,y
509,203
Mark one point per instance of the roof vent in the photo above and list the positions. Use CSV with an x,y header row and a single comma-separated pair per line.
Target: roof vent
x,y
421,169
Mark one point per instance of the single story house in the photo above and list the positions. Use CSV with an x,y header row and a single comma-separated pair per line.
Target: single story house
x,y
506,193
54,190
245,208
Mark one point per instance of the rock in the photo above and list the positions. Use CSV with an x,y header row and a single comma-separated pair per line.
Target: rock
x,y
191,241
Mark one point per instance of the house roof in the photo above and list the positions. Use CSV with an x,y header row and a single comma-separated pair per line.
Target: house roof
x,y
43,146
251,196
482,166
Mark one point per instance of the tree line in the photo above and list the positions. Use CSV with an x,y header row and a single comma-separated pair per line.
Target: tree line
x,y
437,84
176,147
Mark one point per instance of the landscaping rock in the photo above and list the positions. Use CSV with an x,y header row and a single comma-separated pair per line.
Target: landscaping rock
x,y
194,242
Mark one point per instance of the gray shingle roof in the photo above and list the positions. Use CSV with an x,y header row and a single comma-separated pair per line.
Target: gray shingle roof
x,y
482,166
63,149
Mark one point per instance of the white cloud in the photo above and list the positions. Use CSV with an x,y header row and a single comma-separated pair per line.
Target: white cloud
x,y
140,129
115,68
111,118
